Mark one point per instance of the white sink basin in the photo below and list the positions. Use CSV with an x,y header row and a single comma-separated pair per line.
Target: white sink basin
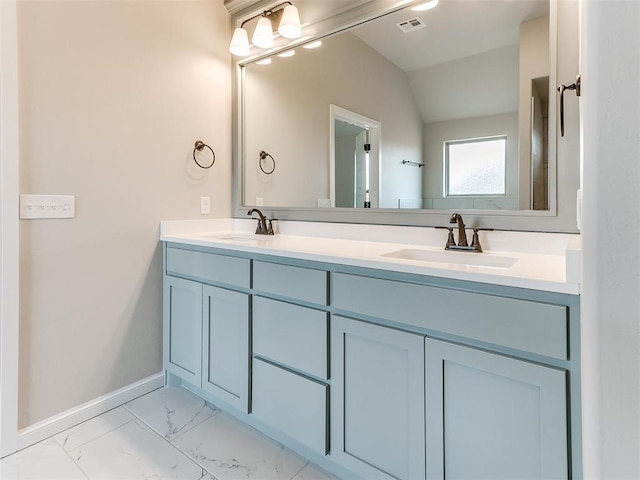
x,y
471,259
234,237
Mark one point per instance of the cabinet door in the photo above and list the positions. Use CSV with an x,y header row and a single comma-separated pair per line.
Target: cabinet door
x,y
377,400
493,417
182,343
225,345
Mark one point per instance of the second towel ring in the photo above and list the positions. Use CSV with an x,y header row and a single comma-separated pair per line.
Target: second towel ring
x,y
264,155
199,146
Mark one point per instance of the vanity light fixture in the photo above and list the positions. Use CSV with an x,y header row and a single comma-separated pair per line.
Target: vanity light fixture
x,y
425,6
284,15
266,61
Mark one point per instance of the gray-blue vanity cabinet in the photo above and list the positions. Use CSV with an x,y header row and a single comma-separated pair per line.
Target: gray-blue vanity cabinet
x,y
206,327
183,329
292,404
377,400
378,374
291,335
290,324
493,417
225,345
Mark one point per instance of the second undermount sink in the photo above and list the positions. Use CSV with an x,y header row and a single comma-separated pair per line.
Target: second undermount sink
x,y
457,258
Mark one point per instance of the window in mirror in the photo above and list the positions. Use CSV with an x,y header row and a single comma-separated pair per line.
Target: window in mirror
x,y
476,166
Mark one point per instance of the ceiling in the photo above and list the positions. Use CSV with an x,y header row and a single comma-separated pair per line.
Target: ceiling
x,y
454,29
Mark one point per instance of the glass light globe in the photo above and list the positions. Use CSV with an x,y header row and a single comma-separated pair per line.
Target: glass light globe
x,y
290,23
240,43
263,34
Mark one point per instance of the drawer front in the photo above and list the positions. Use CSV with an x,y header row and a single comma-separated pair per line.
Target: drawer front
x,y
300,283
290,334
291,404
209,267
524,325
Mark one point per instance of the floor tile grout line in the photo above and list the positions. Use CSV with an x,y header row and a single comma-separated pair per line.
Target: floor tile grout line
x,y
206,472
188,457
170,441
267,438
214,409
217,410
68,454
303,467
89,441
154,430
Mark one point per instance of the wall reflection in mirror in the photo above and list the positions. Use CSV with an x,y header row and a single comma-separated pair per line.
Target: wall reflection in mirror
x,y
462,89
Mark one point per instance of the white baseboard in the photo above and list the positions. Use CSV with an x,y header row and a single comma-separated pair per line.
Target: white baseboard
x,y
58,423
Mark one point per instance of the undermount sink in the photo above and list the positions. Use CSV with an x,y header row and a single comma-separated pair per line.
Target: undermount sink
x,y
458,258
233,237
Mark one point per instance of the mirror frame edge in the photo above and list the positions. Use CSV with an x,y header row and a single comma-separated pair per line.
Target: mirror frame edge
x,y
561,218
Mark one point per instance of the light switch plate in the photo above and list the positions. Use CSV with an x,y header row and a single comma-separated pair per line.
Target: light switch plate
x,y
205,205
47,206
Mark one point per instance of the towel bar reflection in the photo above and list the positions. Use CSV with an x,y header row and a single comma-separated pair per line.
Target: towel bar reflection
x,y
199,146
408,162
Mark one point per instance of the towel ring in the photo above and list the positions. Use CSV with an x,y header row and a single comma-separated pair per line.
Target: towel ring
x,y
264,155
199,146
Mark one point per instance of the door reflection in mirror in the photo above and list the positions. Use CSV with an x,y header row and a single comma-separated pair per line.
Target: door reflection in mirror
x,y
354,159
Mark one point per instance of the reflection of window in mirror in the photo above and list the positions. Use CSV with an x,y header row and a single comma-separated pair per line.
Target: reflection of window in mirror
x,y
476,166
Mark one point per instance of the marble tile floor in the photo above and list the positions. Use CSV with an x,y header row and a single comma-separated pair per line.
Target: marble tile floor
x,y
167,434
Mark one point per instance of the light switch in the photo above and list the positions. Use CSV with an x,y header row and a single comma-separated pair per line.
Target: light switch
x,y
205,205
47,206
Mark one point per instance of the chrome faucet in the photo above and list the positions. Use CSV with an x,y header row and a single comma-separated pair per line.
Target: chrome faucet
x,y
262,228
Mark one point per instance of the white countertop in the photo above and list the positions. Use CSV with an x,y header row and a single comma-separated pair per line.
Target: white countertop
x,y
541,261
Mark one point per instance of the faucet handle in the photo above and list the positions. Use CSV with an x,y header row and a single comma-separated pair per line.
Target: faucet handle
x,y
475,241
451,241
270,227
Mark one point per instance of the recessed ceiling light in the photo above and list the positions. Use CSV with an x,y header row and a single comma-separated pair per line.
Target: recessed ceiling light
x,y
265,61
315,44
288,53
425,6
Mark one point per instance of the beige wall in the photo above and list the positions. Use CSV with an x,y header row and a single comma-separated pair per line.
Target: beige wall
x,y
474,86
112,97
287,114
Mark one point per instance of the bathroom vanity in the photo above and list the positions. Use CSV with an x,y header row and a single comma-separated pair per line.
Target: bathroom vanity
x,y
375,366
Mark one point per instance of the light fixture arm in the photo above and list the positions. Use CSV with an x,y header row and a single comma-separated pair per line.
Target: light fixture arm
x,y
265,13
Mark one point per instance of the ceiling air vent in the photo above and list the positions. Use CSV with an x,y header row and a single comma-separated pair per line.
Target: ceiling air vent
x,y
411,25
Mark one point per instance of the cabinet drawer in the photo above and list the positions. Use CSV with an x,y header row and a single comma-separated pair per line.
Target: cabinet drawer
x,y
520,324
291,404
300,283
208,267
290,334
